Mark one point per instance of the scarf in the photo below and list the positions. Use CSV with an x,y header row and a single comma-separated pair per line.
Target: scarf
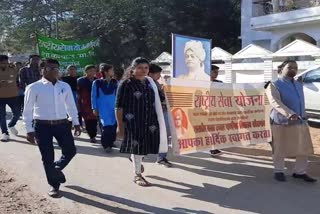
x,y
107,87
163,147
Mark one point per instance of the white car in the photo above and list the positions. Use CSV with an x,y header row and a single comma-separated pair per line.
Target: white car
x,y
311,85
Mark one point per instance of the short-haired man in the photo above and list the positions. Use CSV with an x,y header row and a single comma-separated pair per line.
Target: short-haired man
x,y
155,74
30,73
84,85
71,79
213,78
18,66
8,96
47,104
214,73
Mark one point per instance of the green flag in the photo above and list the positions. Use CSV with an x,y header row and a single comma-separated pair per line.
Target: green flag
x,y
78,53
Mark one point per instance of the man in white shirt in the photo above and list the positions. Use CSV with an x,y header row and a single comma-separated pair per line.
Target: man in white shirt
x,y
47,104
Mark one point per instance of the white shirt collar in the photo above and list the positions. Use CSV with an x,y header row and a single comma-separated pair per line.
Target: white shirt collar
x,y
45,81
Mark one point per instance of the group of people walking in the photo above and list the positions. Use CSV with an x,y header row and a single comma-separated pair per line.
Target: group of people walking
x,y
134,110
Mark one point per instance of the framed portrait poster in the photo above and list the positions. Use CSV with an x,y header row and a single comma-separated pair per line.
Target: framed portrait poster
x,y
191,57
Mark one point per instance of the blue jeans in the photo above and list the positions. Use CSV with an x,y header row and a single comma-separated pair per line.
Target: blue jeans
x,y
162,156
14,104
44,136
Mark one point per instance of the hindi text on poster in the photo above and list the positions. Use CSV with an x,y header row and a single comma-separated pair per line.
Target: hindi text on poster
x,y
207,115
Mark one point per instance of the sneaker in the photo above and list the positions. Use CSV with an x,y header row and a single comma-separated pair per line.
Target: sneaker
x,y
164,162
215,152
93,140
54,192
279,176
13,131
5,138
304,177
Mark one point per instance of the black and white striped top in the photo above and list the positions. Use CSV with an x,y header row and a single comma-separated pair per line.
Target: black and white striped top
x,y
137,100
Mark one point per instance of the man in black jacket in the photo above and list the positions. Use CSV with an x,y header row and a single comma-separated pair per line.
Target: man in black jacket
x,y
213,77
155,74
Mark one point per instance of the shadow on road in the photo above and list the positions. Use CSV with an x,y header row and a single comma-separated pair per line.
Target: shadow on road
x,y
130,203
314,125
91,149
248,169
256,183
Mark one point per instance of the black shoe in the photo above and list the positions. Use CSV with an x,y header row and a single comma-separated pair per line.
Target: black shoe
x,y
54,192
304,177
164,162
279,176
108,149
93,140
215,152
61,177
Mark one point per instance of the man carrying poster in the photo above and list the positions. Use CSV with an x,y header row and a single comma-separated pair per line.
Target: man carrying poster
x,y
213,77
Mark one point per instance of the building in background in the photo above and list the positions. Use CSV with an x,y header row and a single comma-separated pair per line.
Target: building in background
x,y
273,24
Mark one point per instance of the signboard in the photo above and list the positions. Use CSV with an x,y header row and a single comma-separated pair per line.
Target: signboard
x,y
208,115
78,53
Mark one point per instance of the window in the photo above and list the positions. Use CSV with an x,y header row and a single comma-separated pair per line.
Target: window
x,y
312,76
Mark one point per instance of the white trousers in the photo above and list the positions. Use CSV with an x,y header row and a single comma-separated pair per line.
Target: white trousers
x,y
300,165
137,162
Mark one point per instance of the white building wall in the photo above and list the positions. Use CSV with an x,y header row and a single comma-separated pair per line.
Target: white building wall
x,y
270,38
278,35
249,36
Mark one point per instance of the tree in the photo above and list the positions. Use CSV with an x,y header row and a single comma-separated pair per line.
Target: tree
x,y
127,28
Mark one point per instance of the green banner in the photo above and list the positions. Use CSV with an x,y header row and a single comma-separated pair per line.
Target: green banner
x,y
78,53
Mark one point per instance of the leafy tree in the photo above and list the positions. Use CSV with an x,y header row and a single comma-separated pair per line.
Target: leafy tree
x,y
126,28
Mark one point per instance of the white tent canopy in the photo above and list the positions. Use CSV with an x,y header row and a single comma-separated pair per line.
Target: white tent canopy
x,y
164,57
252,51
220,54
236,69
298,48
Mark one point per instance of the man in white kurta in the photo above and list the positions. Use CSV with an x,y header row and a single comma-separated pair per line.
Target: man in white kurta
x,y
291,136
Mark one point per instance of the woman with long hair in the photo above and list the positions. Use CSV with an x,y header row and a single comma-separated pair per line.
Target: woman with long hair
x,y
140,117
103,97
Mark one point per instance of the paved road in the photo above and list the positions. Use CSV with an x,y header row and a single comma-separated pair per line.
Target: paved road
x,y
239,181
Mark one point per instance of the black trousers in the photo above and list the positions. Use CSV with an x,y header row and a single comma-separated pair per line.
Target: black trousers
x,y
80,119
91,127
109,135
13,103
44,137
21,100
